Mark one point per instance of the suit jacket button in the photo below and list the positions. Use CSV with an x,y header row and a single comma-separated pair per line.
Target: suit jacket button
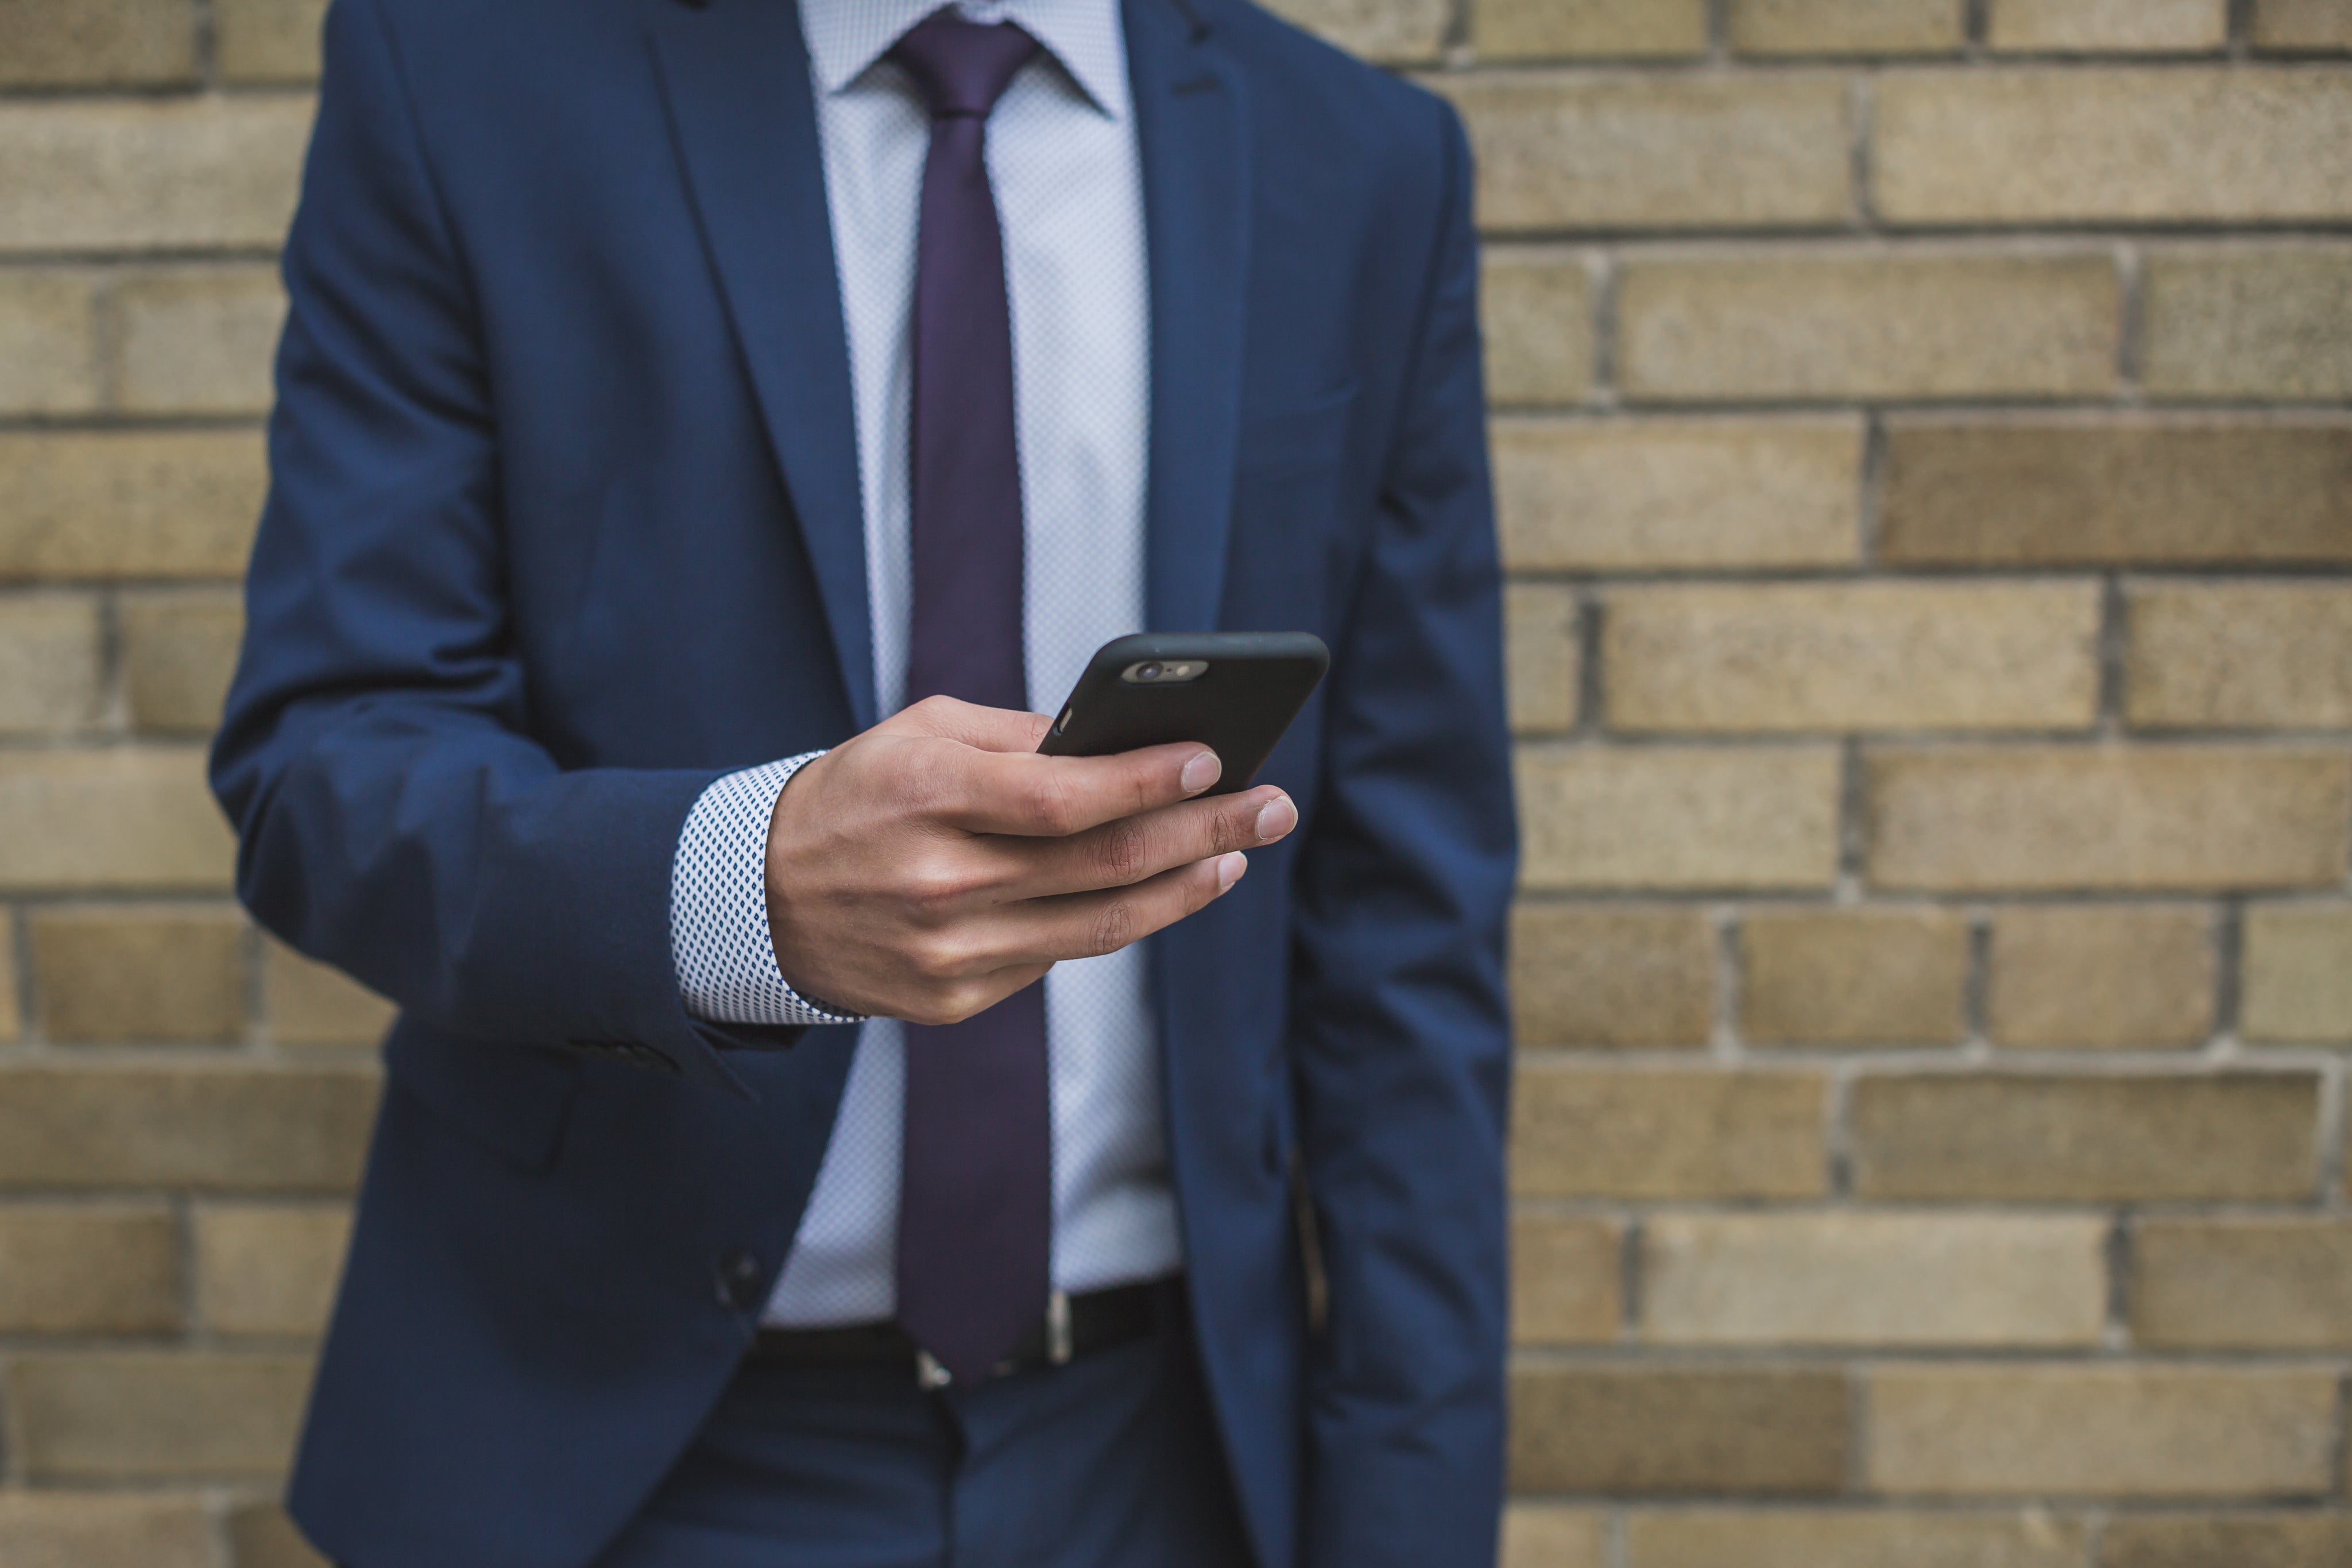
x,y
739,1280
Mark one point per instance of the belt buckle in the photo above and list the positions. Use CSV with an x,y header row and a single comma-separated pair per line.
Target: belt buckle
x,y
1059,1346
1061,1343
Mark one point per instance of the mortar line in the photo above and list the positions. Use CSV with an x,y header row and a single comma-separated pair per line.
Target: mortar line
x,y
1862,108
2131,329
20,955
1871,507
2113,653
1731,985
1976,981
2118,1256
2229,941
2239,29
208,46
1600,268
1591,682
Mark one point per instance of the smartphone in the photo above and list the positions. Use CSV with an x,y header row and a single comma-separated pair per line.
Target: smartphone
x,y
1233,692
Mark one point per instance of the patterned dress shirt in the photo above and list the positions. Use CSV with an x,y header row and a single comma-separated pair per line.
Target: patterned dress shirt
x,y
1063,158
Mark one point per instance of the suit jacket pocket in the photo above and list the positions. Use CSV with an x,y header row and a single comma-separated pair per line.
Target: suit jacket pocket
x,y
513,1100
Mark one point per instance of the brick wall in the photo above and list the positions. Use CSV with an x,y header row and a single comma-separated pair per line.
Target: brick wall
x,y
1925,437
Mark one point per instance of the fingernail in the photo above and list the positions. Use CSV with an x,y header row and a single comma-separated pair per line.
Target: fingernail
x,y
1230,868
1275,817
1201,772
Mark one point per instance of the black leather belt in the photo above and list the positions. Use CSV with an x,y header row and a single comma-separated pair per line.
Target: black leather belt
x,y
1073,1326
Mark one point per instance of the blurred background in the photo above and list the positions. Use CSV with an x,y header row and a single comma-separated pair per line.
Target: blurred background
x,y
1924,433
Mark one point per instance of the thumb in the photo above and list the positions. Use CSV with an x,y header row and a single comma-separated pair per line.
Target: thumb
x,y
969,724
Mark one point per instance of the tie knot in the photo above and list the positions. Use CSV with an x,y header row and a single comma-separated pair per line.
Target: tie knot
x,y
962,68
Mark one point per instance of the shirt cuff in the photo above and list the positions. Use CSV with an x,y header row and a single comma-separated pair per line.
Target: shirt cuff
x,y
719,937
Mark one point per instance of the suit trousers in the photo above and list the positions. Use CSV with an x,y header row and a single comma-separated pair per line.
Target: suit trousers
x,y
1110,1461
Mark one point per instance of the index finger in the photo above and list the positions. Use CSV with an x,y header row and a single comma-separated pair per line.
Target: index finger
x,y
1032,796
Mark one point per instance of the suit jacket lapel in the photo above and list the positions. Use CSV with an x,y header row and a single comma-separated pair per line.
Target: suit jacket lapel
x,y
736,76
1192,122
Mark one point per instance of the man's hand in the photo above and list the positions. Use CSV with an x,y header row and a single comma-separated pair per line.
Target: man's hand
x,y
932,866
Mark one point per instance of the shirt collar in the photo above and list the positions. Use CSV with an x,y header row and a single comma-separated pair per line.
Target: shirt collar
x,y
846,37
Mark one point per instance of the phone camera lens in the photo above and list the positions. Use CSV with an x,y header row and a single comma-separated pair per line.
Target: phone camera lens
x,y
1147,673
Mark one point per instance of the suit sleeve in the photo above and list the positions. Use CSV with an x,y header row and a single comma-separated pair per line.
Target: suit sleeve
x,y
395,815
1403,1037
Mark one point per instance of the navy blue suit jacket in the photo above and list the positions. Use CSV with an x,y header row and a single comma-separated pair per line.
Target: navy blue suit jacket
x,y
565,524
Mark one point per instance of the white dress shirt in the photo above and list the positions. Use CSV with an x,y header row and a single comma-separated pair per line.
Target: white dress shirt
x,y
1062,155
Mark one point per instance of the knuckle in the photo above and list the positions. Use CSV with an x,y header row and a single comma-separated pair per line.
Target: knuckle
x,y
1113,927
942,959
934,885
1122,853
1049,805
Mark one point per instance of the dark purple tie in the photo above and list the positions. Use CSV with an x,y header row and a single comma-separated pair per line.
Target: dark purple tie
x,y
976,1207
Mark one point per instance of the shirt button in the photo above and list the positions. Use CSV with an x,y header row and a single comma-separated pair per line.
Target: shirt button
x,y
739,1280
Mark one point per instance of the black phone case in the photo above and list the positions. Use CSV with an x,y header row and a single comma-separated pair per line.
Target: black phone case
x,y
1254,686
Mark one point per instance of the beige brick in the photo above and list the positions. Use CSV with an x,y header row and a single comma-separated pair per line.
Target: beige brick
x,y
2150,818
1547,1536
2169,490
1543,649
268,40
1846,26
2246,1137
1685,151
2303,25
112,972
1854,977
2243,1541
1567,1278
1579,1133
212,1128
2131,1431
1678,495
2297,985
310,1003
261,1536
103,1530
1536,308
1587,29
2033,146
2241,655
1874,1279
2267,1283
117,1416
178,503
48,355
2102,977
112,819
198,340
2126,27
2241,321
179,650
1837,325
93,43
134,175
1678,817
1402,31
269,1269
1803,1538
1853,656
1654,1429
1612,974
84,1269
49,656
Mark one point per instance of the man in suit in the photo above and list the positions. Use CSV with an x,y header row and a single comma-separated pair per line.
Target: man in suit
x,y
818,1129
